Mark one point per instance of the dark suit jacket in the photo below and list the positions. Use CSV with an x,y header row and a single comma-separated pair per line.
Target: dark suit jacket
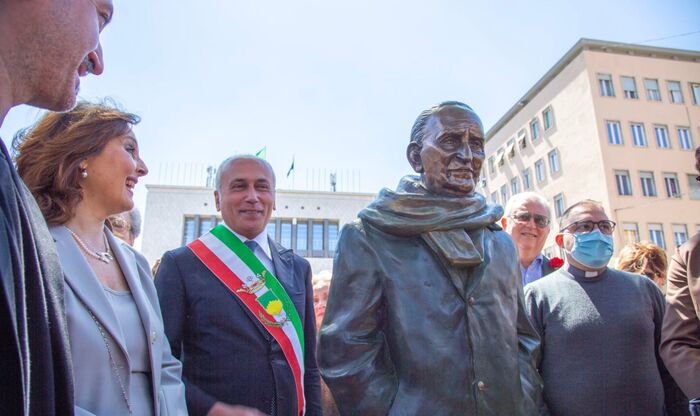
x,y
226,354
680,336
34,355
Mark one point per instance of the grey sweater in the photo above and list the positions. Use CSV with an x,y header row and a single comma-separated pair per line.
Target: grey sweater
x,y
600,337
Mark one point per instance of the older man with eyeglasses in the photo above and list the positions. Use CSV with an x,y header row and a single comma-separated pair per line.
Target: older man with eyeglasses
x,y
600,327
527,220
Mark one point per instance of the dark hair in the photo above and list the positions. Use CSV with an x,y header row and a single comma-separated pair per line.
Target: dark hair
x,y
49,153
418,129
584,203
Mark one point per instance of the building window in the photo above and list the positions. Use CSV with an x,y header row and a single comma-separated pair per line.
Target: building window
x,y
559,206
317,237
527,180
514,186
606,85
194,226
639,138
662,141
548,118
510,148
652,86
286,233
492,166
631,232
695,90
307,237
553,157
500,157
302,245
539,171
693,187
648,183
333,234
684,138
614,133
629,87
522,139
622,179
189,232
535,129
504,194
270,229
656,235
680,234
494,197
672,188
674,92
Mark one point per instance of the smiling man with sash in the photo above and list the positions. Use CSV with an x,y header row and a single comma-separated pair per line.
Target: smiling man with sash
x,y
238,307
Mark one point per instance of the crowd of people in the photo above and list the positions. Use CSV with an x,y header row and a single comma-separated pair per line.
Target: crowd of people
x,y
439,303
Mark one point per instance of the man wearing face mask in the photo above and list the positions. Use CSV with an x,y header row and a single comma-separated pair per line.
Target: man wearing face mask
x,y
600,327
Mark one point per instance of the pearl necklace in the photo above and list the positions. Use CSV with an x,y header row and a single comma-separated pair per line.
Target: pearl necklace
x,y
103,256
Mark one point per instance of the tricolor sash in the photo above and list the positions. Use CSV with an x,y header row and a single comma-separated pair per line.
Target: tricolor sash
x,y
244,275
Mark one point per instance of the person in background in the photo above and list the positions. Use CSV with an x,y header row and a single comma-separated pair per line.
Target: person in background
x,y
126,225
644,258
600,327
45,46
321,284
527,219
680,341
82,166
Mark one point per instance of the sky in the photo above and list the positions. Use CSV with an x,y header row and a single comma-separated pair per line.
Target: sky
x,y
335,85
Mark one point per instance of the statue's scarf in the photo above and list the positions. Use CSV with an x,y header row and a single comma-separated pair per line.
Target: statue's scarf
x,y
452,226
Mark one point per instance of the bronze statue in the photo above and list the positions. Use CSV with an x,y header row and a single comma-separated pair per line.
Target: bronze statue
x,y
425,314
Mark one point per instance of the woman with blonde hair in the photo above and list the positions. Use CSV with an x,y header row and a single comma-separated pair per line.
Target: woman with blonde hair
x,y
82,166
644,258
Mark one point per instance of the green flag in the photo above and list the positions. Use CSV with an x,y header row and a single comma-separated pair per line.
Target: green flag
x,y
262,153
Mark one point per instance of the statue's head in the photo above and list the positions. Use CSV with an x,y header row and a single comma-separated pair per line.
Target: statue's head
x,y
447,149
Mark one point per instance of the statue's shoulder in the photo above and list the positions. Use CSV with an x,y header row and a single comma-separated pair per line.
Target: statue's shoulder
x,y
499,236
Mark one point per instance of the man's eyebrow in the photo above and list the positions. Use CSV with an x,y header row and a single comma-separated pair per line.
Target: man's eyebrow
x,y
450,132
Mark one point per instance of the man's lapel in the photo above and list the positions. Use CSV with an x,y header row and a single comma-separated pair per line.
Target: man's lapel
x,y
283,260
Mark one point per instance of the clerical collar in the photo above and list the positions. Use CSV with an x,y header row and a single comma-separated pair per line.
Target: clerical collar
x,y
583,274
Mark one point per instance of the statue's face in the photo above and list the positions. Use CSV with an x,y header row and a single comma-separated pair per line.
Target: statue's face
x,y
452,153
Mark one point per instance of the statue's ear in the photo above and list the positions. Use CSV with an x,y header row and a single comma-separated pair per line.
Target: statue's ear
x,y
413,155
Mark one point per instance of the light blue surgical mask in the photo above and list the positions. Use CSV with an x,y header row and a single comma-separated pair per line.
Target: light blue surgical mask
x,y
593,249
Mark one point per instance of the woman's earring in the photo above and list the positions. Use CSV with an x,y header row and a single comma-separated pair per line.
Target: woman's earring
x,y
83,173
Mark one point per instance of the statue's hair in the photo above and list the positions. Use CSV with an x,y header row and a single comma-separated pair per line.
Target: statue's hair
x,y
418,130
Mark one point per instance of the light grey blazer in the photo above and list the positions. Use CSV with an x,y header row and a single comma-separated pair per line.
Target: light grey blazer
x,y
97,390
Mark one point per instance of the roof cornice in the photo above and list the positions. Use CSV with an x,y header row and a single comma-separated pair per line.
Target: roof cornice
x,y
591,45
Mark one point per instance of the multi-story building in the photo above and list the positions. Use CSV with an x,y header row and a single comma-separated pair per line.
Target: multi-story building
x,y
306,221
617,123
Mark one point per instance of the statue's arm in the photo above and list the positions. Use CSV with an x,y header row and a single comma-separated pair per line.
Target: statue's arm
x,y
352,352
